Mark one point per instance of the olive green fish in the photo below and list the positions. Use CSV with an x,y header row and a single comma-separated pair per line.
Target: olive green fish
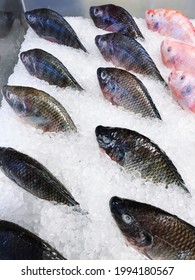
x,y
38,109
32,176
153,232
18,243
126,90
135,151
47,67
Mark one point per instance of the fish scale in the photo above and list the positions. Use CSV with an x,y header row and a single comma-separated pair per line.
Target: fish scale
x,y
45,66
152,231
32,176
124,51
136,152
125,89
17,243
38,109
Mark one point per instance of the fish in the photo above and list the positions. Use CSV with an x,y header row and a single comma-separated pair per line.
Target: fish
x,y
171,23
6,22
125,52
47,67
18,243
51,26
33,177
135,152
115,19
38,109
182,87
153,232
124,89
178,55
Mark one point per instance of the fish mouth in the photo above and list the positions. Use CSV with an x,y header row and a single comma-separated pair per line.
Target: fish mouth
x,y
23,56
98,40
91,11
115,204
99,130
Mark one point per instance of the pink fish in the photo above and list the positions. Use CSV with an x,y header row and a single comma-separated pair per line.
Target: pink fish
x,y
171,23
178,55
182,85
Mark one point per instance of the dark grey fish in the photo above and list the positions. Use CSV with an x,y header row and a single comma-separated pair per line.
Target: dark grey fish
x,y
115,19
6,22
134,151
38,109
17,243
125,52
47,67
51,26
153,232
124,89
32,176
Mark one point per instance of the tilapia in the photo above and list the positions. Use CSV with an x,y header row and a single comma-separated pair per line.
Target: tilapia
x,y
6,22
115,19
38,109
152,231
17,243
47,67
171,23
136,152
125,89
182,85
125,52
33,177
51,26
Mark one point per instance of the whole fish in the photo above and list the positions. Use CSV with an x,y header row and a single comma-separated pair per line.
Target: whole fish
x,y
51,26
136,152
125,89
17,243
182,85
47,67
153,232
171,23
124,51
178,55
6,22
32,176
115,19
38,108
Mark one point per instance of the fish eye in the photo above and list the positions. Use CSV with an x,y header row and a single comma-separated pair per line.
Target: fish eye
x,y
103,75
169,49
30,17
182,77
127,218
96,12
105,139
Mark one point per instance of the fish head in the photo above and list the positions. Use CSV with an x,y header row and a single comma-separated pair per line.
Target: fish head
x,y
169,53
128,216
105,45
31,18
153,19
36,20
107,83
112,140
29,62
107,17
15,99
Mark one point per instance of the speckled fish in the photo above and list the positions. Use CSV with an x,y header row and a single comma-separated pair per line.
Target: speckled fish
x,y
125,52
32,176
47,67
17,243
115,19
178,55
152,231
135,152
38,109
124,89
51,26
171,23
6,22
182,85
